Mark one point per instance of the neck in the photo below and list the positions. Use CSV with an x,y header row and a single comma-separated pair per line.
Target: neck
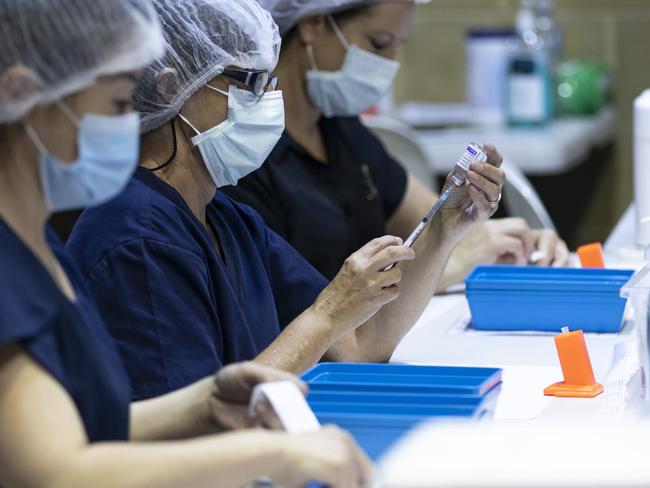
x,y
22,205
302,116
187,173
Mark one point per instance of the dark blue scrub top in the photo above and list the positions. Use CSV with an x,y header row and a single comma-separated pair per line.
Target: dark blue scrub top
x,y
69,341
177,310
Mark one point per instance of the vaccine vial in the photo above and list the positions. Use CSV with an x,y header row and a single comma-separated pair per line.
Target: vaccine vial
x,y
473,152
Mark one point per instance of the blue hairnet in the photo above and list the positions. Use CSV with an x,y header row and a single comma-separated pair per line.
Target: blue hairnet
x,y
60,47
202,38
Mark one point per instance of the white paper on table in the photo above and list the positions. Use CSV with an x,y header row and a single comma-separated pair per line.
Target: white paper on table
x,y
522,391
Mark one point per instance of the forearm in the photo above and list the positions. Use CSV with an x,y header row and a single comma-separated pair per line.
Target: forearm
x,y
378,338
228,460
302,343
182,414
455,271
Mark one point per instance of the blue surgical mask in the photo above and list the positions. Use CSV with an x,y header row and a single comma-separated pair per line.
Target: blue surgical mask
x,y
241,143
360,84
108,150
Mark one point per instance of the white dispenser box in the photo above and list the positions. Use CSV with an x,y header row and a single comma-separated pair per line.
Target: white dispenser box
x,y
642,167
487,53
637,291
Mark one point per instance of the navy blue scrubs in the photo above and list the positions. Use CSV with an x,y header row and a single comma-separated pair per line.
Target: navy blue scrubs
x,y
176,308
69,340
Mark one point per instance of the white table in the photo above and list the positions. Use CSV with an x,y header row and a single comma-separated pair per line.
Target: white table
x,y
440,338
565,444
525,447
551,150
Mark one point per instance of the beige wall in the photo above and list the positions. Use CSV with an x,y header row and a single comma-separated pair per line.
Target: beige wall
x,y
617,31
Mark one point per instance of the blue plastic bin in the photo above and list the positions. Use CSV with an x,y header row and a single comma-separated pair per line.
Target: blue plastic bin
x,y
546,299
378,403
401,378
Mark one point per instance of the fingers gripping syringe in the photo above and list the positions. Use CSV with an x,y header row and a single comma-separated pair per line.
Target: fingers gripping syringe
x,y
473,152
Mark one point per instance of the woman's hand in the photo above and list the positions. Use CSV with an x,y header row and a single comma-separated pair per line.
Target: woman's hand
x,y
511,241
553,250
499,241
329,456
477,200
504,241
231,392
361,287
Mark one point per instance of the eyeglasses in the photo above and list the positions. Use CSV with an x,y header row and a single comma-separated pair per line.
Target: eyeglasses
x,y
257,82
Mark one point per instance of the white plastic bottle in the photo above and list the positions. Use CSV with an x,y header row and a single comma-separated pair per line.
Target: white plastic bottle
x,y
642,167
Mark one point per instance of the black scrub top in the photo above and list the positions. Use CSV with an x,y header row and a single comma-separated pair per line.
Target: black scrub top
x,y
327,211
177,309
69,340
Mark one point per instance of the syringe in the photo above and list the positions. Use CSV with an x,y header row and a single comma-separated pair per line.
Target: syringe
x,y
473,152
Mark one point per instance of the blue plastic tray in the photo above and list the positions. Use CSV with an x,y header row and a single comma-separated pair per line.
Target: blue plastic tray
x,y
317,395
402,378
378,403
546,299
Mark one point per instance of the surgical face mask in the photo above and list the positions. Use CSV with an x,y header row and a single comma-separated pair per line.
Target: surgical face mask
x,y
108,150
360,84
241,143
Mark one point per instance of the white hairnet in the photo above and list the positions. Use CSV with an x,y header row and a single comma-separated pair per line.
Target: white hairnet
x,y
202,38
52,48
287,13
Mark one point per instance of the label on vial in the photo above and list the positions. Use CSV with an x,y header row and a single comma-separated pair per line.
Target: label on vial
x,y
465,160
526,95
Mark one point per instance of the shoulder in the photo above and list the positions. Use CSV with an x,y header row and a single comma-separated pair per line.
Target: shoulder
x,y
350,123
366,140
139,214
352,126
369,149
360,140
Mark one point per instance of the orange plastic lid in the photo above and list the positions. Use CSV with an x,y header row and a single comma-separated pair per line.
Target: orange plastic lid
x,y
591,255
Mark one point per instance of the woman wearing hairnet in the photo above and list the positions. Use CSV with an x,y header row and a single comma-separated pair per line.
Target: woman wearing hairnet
x,y
190,280
329,185
68,140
